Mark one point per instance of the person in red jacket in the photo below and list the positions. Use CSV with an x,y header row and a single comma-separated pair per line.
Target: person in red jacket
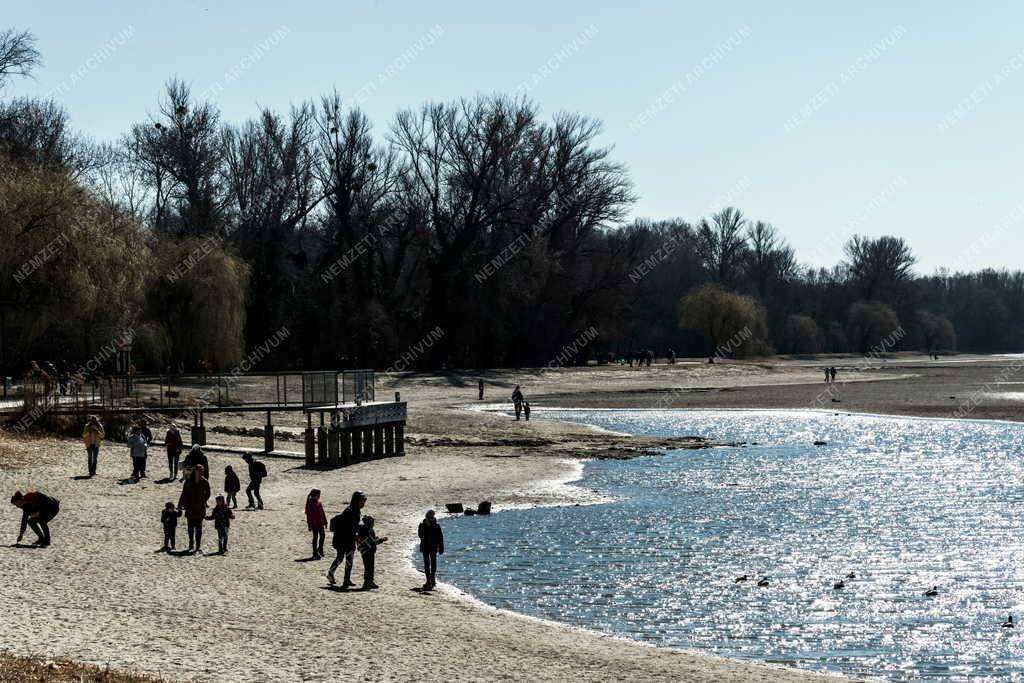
x,y
37,511
316,519
172,441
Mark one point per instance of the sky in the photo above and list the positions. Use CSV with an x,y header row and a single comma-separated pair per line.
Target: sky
x,y
824,120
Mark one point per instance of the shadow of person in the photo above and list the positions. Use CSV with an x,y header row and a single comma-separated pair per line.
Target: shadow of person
x,y
26,546
307,559
339,589
81,477
165,480
126,481
181,553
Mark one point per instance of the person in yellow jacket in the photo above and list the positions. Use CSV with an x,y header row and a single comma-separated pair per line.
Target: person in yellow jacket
x,y
92,435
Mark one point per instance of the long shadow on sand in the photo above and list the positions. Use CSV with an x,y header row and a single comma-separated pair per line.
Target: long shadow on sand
x,y
26,546
80,477
339,589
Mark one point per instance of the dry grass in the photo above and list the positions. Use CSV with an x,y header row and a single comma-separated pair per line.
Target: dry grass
x,y
39,670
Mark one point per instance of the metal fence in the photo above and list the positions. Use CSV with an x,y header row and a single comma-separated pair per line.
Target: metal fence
x,y
190,391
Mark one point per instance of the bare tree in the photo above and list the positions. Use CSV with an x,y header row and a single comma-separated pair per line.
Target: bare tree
x,y
722,245
879,267
18,54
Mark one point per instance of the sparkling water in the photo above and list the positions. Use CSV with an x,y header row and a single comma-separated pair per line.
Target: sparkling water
x,y
904,504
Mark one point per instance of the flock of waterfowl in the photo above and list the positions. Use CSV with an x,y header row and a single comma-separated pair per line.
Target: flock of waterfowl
x,y
840,584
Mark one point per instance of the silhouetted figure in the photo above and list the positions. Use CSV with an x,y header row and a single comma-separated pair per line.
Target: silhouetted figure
x,y
526,410
832,372
827,374
257,473
231,486
344,527
517,400
221,515
194,496
431,545
671,357
169,521
480,388
37,511
368,542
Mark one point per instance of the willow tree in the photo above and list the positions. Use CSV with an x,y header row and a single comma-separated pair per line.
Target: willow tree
x,y
730,322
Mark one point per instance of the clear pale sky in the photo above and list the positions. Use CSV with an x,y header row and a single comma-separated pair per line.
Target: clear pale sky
x,y
823,120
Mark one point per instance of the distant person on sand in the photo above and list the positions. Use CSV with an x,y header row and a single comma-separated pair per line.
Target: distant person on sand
x,y
194,496
368,542
832,372
431,545
172,441
671,357
826,375
195,458
526,410
92,435
257,473
232,486
480,387
316,520
221,516
37,511
169,521
344,528
517,400
138,450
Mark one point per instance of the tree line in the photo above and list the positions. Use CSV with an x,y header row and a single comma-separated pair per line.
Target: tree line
x,y
498,231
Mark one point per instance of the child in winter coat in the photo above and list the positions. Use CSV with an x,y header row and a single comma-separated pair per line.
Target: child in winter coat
x,y
316,520
221,516
231,486
169,520
368,542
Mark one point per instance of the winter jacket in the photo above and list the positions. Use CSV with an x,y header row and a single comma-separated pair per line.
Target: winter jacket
x,y
221,516
137,445
172,440
316,518
344,527
169,518
194,496
431,538
197,458
92,435
257,471
36,505
231,483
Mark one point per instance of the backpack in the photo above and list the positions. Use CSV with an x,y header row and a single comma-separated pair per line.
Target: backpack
x,y
335,524
261,469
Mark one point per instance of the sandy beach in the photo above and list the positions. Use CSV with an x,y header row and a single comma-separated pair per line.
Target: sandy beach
x,y
102,595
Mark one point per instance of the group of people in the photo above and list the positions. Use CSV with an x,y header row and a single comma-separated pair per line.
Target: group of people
x,y
520,404
830,375
353,531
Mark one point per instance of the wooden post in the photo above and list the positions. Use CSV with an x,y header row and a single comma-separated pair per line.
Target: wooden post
x,y
268,435
357,444
310,447
333,445
321,445
389,440
378,441
346,446
400,438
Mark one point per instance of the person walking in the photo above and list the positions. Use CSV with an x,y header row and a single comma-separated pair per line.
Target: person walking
x,y
832,372
138,450
517,400
92,435
195,458
316,520
221,516
172,441
344,527
257,473
431,545
480,388
232,486
194,496
37,511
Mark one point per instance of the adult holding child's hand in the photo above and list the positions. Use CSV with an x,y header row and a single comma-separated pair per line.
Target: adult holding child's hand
x,y
195,494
